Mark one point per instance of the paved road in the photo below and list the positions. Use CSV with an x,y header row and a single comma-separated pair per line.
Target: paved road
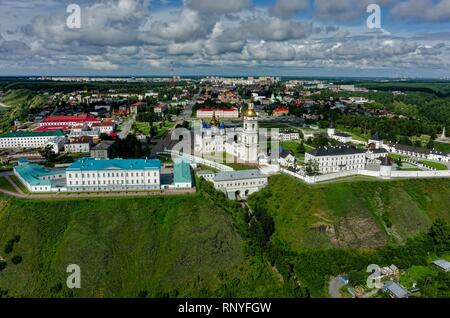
x,y
166,141
22,195
125,128
334,286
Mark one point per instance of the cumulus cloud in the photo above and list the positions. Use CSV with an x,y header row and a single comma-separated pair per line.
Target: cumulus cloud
x,y
288,8
345,10
423,10
99,63
217,6
121,35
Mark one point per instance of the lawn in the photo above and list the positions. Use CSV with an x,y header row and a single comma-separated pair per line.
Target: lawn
x,y
142,128
436,165
164,129
6,185
355,133
293,146
415,273
19,184
442,146
396,156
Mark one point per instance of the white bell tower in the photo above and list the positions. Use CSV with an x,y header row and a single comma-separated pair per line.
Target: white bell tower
x,y
250,136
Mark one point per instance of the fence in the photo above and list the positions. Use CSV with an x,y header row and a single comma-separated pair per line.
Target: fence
x,y
198,160
368,173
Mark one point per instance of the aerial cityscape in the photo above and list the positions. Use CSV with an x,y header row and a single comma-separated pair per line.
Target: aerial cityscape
x,y
235,149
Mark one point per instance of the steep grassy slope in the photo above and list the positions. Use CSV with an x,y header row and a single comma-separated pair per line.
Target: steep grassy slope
x,y
363,214
177,246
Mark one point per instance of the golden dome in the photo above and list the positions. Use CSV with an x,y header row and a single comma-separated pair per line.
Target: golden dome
x,y
250,112
214,121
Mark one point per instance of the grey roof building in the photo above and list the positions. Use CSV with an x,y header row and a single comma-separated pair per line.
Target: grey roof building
x,y
102,150
240,184
443,265
396,290
336,151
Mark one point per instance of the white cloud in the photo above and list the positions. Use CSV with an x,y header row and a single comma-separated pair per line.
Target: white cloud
x,y
98,63
423,10
288,8
217,6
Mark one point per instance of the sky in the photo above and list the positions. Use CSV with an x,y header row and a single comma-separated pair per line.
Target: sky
x,y
225,37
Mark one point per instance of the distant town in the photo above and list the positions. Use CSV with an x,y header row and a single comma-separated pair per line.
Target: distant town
x,y
120,139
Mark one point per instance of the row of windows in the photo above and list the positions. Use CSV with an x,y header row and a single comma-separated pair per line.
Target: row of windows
x,y
335,163
238,184
334,169
112,174
17,139
339,158
111,182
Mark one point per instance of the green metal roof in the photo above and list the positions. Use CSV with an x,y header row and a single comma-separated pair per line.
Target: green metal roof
x,y
32,173
18,134
92,164
182,172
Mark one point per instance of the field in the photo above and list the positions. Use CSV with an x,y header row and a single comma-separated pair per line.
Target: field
x,y
435,165
6,185
126,247
442,147
354,214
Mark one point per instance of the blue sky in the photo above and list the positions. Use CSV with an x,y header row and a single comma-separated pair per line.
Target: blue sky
x,y
229,37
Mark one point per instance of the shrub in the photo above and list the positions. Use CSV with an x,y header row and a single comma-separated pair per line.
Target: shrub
x,y
3,293
16,260
9,246
2,265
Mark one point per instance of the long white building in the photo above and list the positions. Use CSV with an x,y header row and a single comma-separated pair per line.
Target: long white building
x,y
94,175
335,159
28,139
240,184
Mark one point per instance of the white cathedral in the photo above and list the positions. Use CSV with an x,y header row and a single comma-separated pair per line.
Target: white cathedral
x,y
241,142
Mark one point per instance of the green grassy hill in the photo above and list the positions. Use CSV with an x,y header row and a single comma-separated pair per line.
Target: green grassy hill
x,y
322,231
355,214
206,246
156,246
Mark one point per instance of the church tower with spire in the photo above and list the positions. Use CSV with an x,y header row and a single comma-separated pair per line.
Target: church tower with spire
x,y
250,136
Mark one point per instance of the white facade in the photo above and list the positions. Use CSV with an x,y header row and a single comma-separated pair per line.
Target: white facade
x,y
232,113
113,180
25,140
287,136
95,175
240,184
78,147
57,144
337,159
341,137
240,142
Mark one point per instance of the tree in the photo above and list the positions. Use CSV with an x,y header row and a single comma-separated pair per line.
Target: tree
x,y
301,148
440,235
16,260
9,246
2,265
399,162
48,154
312,168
